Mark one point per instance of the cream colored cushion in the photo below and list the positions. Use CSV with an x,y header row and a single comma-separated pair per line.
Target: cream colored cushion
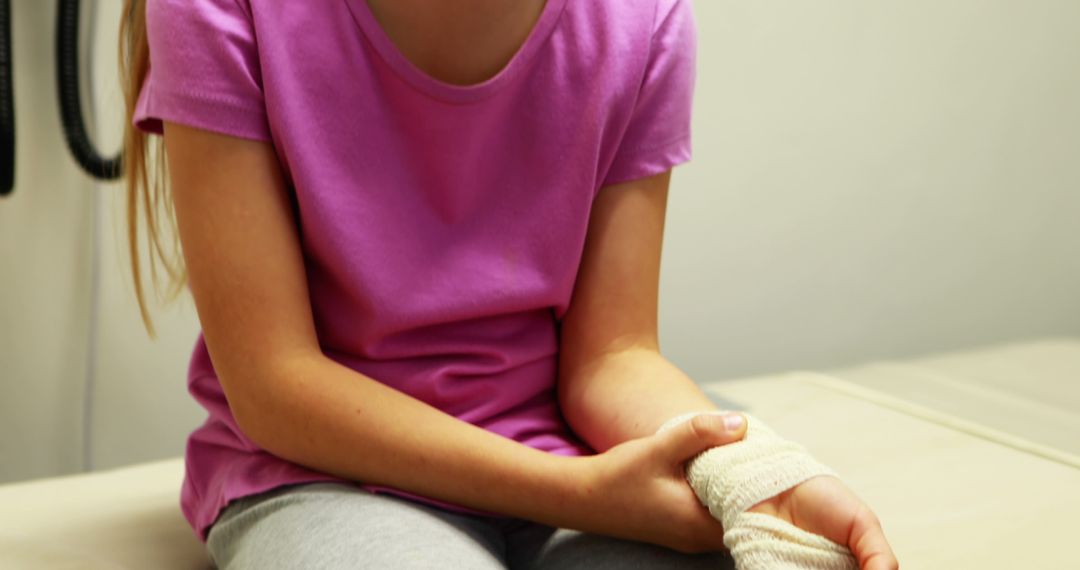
x,y
123,518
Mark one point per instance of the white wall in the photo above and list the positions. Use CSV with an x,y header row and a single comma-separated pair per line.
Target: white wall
x,y
44,271
51,368
875,179
871,180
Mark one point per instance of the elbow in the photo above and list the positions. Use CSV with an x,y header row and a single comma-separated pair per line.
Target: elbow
x,y
574,390
247,411
260,400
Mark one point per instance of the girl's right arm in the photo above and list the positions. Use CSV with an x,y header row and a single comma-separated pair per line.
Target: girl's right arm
x,y
247,278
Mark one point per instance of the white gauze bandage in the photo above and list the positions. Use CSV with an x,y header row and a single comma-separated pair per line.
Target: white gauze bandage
x,y
732,478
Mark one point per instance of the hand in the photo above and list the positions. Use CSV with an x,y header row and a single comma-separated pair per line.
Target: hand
x,y
823,505
637,490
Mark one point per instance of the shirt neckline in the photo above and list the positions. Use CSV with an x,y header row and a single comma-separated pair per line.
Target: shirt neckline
x,y
451,92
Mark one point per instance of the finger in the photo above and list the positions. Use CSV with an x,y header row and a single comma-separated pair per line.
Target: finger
x,y
700,433
868,544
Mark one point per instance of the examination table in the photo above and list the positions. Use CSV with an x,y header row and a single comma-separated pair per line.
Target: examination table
x,y
971,459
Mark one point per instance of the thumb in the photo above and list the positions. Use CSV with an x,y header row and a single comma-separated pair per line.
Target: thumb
x,y
701,432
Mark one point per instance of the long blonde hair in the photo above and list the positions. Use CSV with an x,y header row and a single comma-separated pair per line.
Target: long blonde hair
x,y
145,173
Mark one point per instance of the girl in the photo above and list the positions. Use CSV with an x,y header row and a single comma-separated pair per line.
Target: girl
x,y
423,239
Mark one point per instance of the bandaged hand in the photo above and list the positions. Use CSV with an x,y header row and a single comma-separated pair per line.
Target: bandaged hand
x,y
756,486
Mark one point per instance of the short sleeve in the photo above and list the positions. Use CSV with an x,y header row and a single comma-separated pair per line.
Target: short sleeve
x,y
658,135
204,69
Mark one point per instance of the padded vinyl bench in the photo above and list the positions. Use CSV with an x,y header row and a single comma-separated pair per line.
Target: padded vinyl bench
x,y
971,460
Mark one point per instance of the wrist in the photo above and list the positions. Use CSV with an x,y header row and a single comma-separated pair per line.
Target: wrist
x,y
569,489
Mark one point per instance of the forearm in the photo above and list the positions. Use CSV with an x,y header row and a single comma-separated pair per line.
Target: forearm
x,y
325,416
624,394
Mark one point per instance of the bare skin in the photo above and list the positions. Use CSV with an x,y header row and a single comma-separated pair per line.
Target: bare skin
x,y
461,42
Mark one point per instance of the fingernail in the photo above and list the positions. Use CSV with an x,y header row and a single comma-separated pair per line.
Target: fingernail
x,y
733,422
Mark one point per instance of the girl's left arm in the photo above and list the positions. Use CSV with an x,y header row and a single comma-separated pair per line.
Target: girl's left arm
x,y
614,385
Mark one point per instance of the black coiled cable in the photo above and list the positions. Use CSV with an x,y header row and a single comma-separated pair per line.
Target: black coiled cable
x,y
67,75
7,104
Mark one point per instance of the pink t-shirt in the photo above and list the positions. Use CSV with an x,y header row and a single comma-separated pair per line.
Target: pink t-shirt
x,y
442,226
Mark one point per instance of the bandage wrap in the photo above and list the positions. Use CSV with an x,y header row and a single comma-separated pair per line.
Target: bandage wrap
x,y
732,478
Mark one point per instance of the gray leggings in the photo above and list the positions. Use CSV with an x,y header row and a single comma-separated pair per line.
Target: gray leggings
x,y
333,526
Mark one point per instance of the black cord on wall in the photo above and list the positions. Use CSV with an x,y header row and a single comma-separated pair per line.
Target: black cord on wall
x,y
71,116
7,104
